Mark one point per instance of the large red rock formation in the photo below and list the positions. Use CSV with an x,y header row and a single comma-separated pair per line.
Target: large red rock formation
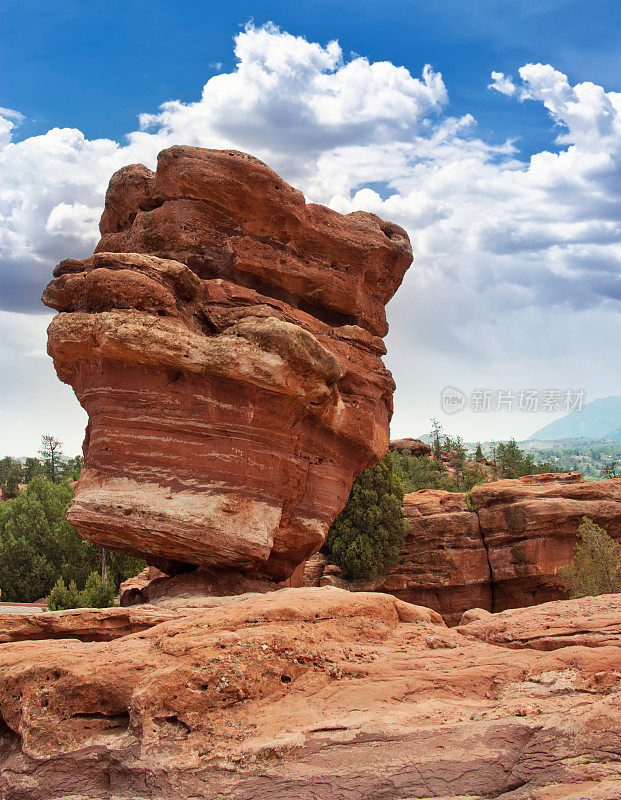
x,y
225,342
529,526
505,550
318,694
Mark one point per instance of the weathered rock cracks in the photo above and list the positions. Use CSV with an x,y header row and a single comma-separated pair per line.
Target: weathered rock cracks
x,y
225,340
315,694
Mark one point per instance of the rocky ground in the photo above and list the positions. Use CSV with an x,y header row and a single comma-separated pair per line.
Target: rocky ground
x,y
313,693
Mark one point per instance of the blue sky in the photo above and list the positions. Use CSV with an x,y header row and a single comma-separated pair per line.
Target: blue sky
x,y
511,194
97,65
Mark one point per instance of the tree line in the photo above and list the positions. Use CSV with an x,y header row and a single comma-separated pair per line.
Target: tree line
x,y
42,555
50,464
39,548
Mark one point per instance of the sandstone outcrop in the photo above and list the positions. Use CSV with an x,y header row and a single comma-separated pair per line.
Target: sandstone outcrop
x,y
225,340
443,563
529,526
199,588
416,446
85,624
503,551
316,694
131,590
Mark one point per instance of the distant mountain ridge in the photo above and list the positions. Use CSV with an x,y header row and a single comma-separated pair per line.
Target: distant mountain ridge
x,y
599,419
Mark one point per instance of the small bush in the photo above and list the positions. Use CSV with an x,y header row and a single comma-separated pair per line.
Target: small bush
x,y
62,597
96,594
470,504
596,566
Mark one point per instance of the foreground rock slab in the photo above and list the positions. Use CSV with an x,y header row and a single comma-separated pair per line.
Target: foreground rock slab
x,y
225,340
317,694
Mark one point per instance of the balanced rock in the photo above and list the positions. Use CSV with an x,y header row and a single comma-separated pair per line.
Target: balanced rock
x,y
225,340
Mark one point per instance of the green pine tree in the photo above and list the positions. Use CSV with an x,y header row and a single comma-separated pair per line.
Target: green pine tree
x,y
436,430
38,546
62,597
97,593
366,537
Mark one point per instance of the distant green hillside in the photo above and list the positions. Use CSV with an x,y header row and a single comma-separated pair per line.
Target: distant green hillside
x,y
599,419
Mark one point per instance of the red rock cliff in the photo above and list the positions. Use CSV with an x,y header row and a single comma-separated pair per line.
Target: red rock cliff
x,y
529,526
225,342
508,553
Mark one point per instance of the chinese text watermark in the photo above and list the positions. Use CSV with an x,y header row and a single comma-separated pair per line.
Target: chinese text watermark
x,y
528,400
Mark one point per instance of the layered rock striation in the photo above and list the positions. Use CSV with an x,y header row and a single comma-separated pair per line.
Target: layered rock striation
x,y
225,341
443,563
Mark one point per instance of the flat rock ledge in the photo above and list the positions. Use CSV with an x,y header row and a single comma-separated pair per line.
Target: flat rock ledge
x,y
313,693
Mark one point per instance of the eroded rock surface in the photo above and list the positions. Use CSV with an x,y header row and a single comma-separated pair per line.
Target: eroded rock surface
x,y
529,526
86,624
225,340
317,694
593,622
504,550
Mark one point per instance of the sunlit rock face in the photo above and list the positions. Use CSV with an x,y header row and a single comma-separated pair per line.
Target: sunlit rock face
x,y
225,341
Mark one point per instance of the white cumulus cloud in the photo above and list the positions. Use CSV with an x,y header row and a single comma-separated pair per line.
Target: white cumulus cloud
x,y
502,83
505,247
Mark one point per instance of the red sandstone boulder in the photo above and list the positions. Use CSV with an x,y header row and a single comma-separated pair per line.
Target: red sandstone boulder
x,y
130,591
529,526
508,553
415,446
224,340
